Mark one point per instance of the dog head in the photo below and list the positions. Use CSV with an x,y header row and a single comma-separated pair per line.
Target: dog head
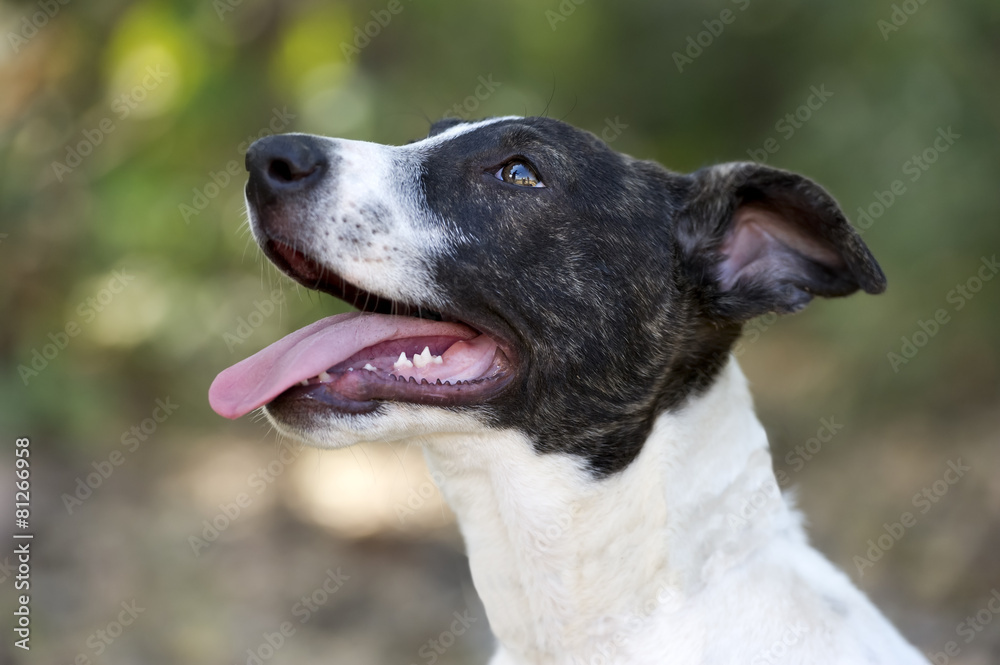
x,y
518,273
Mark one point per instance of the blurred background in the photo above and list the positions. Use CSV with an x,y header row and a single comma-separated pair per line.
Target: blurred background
x,y
165,534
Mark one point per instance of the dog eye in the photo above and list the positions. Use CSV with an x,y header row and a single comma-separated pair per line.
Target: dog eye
x,y
519,173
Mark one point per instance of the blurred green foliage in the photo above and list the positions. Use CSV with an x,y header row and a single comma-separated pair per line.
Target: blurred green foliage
x,y
167,94
127,273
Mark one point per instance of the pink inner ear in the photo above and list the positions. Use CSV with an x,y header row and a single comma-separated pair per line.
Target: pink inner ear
x,y
763,241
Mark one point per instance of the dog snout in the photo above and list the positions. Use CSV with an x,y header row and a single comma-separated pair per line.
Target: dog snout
x,y
286,164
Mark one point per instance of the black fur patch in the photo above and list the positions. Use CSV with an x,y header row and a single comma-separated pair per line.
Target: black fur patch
x,y
606,279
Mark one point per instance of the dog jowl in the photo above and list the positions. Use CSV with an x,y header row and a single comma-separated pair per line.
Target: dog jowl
x,y
521,271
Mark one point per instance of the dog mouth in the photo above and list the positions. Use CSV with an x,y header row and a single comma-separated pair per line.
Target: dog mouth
x,y
350,363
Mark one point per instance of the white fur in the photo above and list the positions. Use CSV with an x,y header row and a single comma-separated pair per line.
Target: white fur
x,y
391,258
690,555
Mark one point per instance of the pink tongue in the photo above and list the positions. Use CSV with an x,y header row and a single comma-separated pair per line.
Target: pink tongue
x,y
255,381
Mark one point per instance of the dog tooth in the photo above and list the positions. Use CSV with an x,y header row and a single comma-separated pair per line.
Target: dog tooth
x,y
304,382
324,377
402,361
370,367
424,359
350,369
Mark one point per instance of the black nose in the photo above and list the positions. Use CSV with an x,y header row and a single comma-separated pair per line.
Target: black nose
x,y
286,163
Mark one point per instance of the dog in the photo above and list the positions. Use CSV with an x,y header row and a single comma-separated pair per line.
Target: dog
x,y
553,321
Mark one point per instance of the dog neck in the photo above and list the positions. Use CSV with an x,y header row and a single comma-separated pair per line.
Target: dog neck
x,y
564,562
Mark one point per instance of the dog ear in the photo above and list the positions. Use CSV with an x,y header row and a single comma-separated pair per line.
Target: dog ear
x,y
758,239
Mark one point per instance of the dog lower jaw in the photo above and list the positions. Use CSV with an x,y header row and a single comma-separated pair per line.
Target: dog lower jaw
x,y
386,422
